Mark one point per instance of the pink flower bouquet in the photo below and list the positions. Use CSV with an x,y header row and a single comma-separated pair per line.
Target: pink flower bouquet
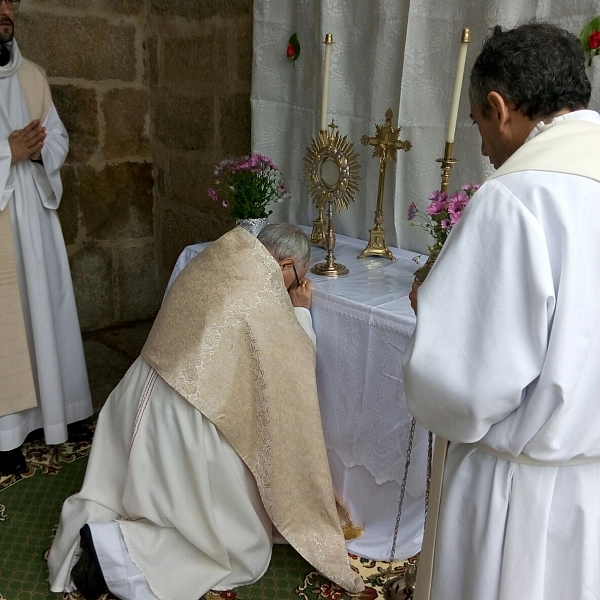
x,y
247,185
440,217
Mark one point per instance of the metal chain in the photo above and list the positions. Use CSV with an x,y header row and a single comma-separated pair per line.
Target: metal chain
x,y
402,489
429,463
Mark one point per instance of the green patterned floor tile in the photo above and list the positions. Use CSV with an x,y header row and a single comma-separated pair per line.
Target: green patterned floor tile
x,y
32,514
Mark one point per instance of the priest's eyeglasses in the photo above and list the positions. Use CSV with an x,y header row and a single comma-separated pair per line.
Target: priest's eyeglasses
x,y
11,3
296,275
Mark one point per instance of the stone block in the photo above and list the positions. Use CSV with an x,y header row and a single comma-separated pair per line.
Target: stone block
x,y
91,270
80,4
78,110
243,49
125,7
200,9
151,67
125,114
182,229
90,48
68,209
137,283
116,203
197,61
187,181
235,124
183,122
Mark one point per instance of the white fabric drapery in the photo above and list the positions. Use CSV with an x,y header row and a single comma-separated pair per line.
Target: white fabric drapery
x,y
397,54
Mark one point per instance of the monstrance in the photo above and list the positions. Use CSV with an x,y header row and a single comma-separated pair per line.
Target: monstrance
x,y
331,168
385,146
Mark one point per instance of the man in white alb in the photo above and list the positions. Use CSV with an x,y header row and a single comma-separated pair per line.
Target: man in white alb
x,y
505,359
33,147
212,438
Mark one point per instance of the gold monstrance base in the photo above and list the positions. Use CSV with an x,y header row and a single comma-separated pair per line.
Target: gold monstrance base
x,y
330,268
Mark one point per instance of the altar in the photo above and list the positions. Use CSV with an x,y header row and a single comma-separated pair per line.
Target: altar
x,y
363,322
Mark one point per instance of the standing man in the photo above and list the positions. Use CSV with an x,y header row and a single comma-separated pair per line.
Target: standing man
x,y
33,147
505,359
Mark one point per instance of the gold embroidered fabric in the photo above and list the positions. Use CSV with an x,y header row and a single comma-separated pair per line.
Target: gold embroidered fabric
x,y
227,339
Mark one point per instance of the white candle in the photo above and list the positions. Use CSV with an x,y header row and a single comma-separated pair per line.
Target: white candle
x,y
460,70
328,43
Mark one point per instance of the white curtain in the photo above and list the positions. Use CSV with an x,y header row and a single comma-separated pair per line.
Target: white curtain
x,y
398,54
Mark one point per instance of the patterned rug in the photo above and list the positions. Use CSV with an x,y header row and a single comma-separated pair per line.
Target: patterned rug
x,y
29,515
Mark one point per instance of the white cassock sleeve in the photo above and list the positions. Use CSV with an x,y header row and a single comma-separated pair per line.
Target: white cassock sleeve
x,y
305,319
56,146
483,319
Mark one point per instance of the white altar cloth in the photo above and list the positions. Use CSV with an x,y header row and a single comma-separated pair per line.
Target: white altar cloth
x,y
363,322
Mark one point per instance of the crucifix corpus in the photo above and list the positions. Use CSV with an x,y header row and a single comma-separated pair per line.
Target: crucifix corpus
x,y
385,146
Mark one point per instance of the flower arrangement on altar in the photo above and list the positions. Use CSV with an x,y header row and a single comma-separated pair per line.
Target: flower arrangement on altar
x,y
440,217
590,38
248,185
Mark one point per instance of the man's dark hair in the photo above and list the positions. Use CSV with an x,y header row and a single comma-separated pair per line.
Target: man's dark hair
x,y
538,67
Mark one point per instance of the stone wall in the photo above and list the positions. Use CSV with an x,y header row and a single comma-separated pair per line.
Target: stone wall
x,y
153,93
200,57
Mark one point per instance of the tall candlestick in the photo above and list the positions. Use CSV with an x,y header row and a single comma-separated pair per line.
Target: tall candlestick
x,y
460,70
328,43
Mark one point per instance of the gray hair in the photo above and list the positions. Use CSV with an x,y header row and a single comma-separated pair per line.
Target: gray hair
x,y
285,240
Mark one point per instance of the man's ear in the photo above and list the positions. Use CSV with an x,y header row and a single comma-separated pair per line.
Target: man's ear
x,y
286,262
499,109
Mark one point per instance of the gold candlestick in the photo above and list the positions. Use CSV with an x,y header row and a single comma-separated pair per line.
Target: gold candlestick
x,y
330,268
385,145
447,163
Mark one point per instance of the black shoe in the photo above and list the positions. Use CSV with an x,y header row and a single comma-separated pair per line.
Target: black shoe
x,y
12,462
86,574
35,436
78,432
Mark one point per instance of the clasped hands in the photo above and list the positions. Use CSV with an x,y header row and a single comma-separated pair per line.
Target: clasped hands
x,y
27,142
301,295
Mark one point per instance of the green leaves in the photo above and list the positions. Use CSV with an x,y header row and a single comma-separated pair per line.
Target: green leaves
x,y
293,48
584,36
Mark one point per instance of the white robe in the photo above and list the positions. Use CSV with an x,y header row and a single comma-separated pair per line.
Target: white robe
x,y
32,193
505,364
188,507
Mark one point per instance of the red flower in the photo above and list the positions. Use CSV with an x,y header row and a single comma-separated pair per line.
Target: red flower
x,y
228,595
594,40
290,51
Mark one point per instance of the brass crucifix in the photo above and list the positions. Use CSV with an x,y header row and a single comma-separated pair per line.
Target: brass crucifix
x,y
385,145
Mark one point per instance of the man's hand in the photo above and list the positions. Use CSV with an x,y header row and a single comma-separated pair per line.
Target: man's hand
x,y
301,295
413,295
27,142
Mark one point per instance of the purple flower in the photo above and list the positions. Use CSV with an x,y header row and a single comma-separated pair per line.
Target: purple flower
x,y
225,204
459,200
439,203
436,195
212,194
412,211
470,188
445,224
